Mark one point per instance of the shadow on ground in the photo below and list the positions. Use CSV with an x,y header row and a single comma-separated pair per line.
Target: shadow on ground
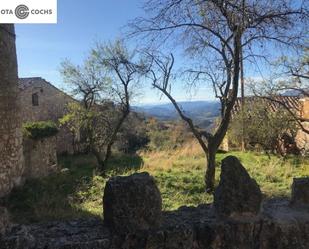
x,y
75,192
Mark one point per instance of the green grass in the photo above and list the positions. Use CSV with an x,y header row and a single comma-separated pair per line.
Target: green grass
x,y
179,174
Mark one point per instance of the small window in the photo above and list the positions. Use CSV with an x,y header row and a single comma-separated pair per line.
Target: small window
x,y
35,99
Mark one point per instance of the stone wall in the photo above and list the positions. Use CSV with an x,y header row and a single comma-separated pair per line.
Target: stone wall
x,y
51,101
40,157
304,113
278,227
65,142
302,139
10,124
52,104
15,108
133,219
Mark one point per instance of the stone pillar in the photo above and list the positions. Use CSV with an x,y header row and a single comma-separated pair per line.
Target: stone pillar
x,y
132,203
10,123
237,193
300,191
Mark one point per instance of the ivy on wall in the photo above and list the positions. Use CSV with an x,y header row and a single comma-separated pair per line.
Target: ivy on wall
x,y
40,129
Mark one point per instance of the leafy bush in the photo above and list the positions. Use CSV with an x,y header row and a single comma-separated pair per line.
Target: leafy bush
x,y
39,130
164,135
133,135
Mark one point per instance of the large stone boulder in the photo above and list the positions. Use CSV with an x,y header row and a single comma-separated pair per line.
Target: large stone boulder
x,y
4,220
300,191
132,203
237,193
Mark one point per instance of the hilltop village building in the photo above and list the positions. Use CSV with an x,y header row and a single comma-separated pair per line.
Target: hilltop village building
x,y
10,126
298,104
42,101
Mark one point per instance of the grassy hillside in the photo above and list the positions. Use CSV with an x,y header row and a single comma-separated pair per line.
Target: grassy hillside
x,y
77,191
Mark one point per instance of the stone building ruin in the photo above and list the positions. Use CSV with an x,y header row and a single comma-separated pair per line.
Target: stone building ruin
x,y
299,104
10,123
42,101
20,157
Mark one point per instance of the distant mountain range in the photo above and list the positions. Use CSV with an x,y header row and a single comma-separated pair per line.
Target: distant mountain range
x,y
296,93
203,113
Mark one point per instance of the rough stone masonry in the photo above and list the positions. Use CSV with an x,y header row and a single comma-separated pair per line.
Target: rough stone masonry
x,y
279,224
10,123
132,203
237,193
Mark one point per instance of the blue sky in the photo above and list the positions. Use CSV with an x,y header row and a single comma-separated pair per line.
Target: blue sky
x,y
81,23
42,47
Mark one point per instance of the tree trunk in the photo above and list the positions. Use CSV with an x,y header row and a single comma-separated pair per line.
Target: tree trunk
x,y
210,169
99,158
95,152
108,151
215,141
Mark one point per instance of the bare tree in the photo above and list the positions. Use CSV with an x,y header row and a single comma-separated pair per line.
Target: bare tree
x,y
216,33
291,77
298,72
88,83
125,68
106,85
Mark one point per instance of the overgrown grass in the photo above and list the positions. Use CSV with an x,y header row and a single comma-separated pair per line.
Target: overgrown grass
x,y
77,192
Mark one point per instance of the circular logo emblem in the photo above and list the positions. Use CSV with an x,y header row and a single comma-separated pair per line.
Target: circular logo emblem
x,y
22,11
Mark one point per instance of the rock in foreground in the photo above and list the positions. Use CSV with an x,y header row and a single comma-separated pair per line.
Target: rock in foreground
x,y
132,203
4,220
279,226
237,193
134,221
300,191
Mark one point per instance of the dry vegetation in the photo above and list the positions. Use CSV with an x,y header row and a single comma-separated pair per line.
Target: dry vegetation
x,y
179,174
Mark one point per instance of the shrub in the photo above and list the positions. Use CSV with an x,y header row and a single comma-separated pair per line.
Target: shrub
x,y
165,135
39,130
